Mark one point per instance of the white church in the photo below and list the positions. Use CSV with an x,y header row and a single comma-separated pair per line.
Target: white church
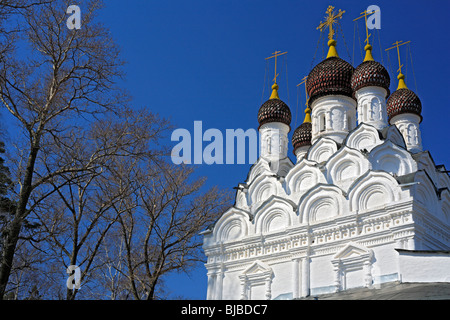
x,y
363,205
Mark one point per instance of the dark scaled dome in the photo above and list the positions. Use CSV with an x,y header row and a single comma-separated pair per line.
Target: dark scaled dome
x,y
302,136
274,110
332,76
403,101
370,73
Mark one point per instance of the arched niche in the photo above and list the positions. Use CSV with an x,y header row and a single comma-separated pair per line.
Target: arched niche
x,y
393,159
373,190
345,166
274,215
320,203
322,150
262,188
233,225
303,176
363,137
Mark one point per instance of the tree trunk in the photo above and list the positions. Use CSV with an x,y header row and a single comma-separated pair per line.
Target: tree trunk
x,y
12,235
151,294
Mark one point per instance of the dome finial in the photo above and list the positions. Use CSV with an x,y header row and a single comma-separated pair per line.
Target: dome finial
x,y
332,52
307,115
368,56
401,81
400,77
274,94
330,19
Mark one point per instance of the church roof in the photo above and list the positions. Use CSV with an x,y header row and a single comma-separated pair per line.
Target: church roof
x,y
402,101
302,135
370,73
332,76
274,110
392,291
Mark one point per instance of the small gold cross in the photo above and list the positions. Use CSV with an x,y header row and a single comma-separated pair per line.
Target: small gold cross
x,y
306,92
275,55
330,19
365,14
396,45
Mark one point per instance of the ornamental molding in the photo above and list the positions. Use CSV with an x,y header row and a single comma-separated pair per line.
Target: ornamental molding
x,y
258,273
317,241
352,257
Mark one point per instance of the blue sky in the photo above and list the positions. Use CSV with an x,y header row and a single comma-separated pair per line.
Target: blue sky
x,y
205,60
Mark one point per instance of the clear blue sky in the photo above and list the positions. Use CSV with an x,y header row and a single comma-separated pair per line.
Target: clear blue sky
x,y
205,60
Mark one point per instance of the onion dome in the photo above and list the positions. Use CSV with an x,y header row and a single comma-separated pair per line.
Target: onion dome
x,y
274,110
332,76
302,135
370,73
403,100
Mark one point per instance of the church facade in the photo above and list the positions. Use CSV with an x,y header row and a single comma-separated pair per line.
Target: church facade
x,y
363,205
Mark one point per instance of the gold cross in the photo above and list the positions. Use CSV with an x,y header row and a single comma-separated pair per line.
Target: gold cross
x,y
330,19
306,92
365,14
275,55
396,45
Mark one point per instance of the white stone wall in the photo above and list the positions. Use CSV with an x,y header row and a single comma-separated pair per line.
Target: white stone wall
x,y
274,140
331,222
408,125
372,106
333,117
422,266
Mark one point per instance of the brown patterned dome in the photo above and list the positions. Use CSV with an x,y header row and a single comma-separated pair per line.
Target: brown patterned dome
x,y
370,73
302,136
401,101
332,76
274,110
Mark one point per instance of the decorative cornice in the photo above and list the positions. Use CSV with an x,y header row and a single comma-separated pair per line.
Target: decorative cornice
x,y
316,240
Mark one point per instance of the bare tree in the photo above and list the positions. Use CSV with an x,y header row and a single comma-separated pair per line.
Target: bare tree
x,y
161,235
90,183
74,219
67,79
9,8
